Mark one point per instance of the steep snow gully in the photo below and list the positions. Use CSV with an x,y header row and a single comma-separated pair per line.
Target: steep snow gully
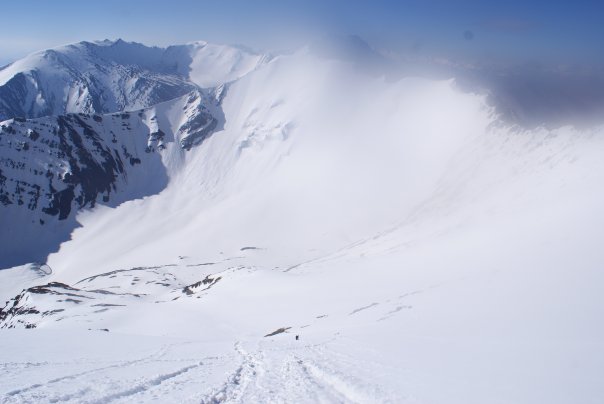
x,y
423,249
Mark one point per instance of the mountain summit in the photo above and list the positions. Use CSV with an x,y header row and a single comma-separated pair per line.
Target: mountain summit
x,y
112,76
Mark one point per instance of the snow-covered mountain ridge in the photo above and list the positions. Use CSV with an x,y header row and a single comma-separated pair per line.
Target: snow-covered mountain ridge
x,y
422,249
114,76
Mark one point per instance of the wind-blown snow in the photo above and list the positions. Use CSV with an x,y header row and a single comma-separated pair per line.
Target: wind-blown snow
x,y
423,251
212,65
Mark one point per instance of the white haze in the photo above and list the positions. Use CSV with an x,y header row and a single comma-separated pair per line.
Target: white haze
x,y
424,250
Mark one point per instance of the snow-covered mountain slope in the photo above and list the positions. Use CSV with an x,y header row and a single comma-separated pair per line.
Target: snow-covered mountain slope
x,y
112,76
423,251
211,65
294,167
53,166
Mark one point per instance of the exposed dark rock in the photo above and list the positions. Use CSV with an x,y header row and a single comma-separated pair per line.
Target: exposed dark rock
x,y
197,129
208,282
277,331
58,165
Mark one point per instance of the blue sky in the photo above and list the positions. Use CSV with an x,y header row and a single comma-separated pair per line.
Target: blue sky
x,y
514,31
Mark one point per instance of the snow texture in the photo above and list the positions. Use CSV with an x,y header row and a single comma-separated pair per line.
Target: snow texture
x,y
422,249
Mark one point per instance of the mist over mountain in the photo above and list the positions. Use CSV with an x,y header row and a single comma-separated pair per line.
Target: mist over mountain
x,y
331,223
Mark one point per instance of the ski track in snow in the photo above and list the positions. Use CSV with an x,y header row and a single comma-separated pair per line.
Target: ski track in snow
x,y
54,390
144,386
285,376
21,394
269,373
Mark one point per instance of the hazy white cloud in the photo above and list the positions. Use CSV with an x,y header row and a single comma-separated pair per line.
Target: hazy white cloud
x,y
12,49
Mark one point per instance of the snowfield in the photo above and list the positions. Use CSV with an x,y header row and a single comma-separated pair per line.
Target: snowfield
x,y
423,250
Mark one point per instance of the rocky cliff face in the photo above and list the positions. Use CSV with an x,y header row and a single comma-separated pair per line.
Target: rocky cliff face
x,y
99,123
52,167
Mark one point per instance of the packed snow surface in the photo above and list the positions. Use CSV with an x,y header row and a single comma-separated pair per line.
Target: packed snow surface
x,y
422,250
